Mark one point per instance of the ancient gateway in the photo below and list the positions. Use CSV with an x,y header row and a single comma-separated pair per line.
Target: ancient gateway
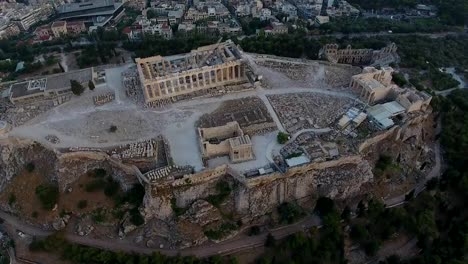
x,y
177,76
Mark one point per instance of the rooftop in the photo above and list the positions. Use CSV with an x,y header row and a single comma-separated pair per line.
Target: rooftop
x,y
72,7
58,24
237,141
50,82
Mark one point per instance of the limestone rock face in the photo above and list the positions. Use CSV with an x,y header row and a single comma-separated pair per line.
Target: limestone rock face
x,y
339,182
126,225
157,206
60,223
202,213
73,165
15,154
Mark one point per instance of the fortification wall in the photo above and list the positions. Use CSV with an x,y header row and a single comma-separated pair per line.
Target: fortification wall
x,y
254,197
379,137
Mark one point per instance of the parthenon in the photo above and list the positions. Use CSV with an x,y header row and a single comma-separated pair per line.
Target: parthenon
x,y
207,67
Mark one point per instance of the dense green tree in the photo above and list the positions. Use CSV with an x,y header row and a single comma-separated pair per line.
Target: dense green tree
x,y
48,195
76,87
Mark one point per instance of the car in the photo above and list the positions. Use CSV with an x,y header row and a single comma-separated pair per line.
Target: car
x,y
21,234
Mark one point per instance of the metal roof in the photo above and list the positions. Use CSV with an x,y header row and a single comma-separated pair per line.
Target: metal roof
x,y
296,161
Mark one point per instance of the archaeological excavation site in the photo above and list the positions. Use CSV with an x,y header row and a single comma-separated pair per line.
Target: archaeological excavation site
x,y
178,152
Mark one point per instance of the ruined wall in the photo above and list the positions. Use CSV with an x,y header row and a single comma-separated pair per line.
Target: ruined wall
x,y
378,138
229,130
257,196
262,194
215,150
411,127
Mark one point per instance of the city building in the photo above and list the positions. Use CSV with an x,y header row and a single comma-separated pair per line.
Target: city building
x,y
43,33
276,28
25,18
9,30
320,20
75,27
136,4
59,28
93,13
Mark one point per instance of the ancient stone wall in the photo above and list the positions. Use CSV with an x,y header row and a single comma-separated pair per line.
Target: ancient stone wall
x,y
70,166
257,196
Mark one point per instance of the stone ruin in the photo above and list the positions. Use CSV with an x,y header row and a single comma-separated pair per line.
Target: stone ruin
x,y
103,98
167,173
251,114
142,149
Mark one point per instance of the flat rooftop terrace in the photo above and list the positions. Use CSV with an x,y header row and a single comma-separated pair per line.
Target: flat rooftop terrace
x,y
50,82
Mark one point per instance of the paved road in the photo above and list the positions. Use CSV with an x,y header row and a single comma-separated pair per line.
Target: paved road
x,y
386,33
223,248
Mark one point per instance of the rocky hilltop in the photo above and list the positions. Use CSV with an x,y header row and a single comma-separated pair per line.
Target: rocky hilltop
x,y
216,203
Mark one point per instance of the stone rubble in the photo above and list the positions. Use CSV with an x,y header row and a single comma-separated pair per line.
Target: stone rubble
x,y
103,98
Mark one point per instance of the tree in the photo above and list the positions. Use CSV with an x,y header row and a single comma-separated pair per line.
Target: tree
x,y
76,87
82,204
325,206
113,128
91,85
48,195
270,241
282,137
11,199
30,167
254,231
346,214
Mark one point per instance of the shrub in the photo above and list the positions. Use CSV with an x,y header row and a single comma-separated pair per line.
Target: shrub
x,y
99,173
48,195
223,230
399,79
289,213
30,167
224,189
177,210
98,215
136,218
82,204
359,233
254,231
371,247
11,199
91,85
282,137
270,240
112,129
95,185
76,87
325,206
111,188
